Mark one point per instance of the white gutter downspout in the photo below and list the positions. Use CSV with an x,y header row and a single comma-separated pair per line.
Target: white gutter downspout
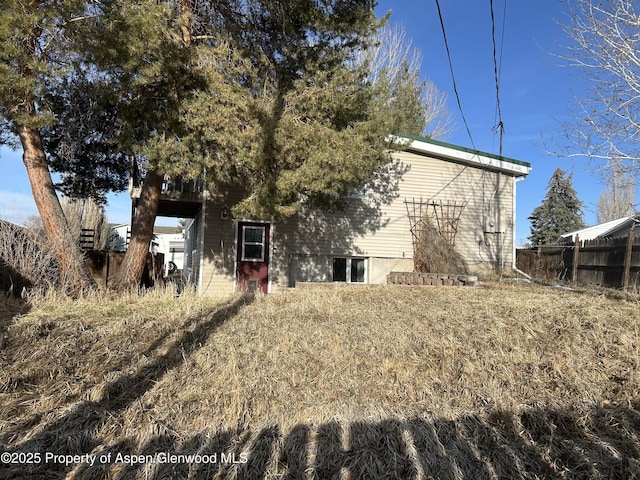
x,y
203,215
515,268
201,246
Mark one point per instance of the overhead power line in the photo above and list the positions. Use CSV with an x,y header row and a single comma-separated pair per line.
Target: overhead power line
x,y
499,127
453,78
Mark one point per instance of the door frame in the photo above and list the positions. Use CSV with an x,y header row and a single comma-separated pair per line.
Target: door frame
x,y
237,222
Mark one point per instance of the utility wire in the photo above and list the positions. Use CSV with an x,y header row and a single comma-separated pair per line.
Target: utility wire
x,y
504,21
496,69
453,78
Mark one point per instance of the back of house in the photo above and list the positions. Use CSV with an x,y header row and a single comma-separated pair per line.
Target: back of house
x,y
468,196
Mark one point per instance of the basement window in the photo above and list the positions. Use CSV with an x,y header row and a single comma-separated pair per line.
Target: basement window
x,y
350,270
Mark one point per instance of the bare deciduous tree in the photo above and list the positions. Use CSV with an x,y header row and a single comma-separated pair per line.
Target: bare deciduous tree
x,y
80,213
392,48
617,199
95,218
394,56
605,46
87,213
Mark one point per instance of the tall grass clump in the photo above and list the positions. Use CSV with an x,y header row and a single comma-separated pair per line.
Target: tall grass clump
x,y
25,261
100,304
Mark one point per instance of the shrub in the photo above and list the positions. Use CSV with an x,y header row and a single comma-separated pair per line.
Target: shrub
x,y
434,254
24,260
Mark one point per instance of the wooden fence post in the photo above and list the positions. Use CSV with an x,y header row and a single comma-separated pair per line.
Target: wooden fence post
x,y
627,260
576,258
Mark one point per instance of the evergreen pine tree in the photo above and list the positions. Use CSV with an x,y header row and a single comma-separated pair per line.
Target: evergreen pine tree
x,y
33,53
560,211
262,95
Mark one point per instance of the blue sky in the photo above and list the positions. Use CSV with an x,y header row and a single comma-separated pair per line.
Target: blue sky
x,y
536,93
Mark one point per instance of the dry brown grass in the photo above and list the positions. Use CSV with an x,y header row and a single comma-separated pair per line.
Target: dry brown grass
x,y
502,381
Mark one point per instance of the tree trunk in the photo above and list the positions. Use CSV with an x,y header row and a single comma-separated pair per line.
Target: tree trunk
x,y
75,273
142,223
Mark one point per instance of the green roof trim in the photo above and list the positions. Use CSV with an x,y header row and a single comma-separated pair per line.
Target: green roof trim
x,y
465,149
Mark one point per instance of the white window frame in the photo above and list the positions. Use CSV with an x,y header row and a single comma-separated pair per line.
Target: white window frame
x,y
243,243
348,268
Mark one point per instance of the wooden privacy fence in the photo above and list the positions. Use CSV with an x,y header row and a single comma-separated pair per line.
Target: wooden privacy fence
x,y
105,265
610,262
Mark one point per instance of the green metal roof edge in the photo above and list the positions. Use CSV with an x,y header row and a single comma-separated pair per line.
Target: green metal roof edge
x,y
465,149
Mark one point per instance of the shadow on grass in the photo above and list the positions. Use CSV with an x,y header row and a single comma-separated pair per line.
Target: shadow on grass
x,y
74,433
603,443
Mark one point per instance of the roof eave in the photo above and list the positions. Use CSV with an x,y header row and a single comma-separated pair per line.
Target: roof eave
x,y
463,155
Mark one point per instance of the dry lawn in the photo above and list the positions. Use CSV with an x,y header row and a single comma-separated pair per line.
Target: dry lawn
x,y
499,381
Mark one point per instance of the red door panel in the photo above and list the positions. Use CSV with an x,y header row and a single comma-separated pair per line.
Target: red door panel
x,y
252,261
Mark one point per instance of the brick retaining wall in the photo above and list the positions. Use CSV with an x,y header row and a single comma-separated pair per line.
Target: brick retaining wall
x,y
435,279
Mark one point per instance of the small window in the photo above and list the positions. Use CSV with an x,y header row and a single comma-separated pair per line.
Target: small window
x,y
357,270
349,270
339,269
253,244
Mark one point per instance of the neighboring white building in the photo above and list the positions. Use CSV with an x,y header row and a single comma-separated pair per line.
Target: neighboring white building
x,y
119,237
170,242
615,228
166,240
